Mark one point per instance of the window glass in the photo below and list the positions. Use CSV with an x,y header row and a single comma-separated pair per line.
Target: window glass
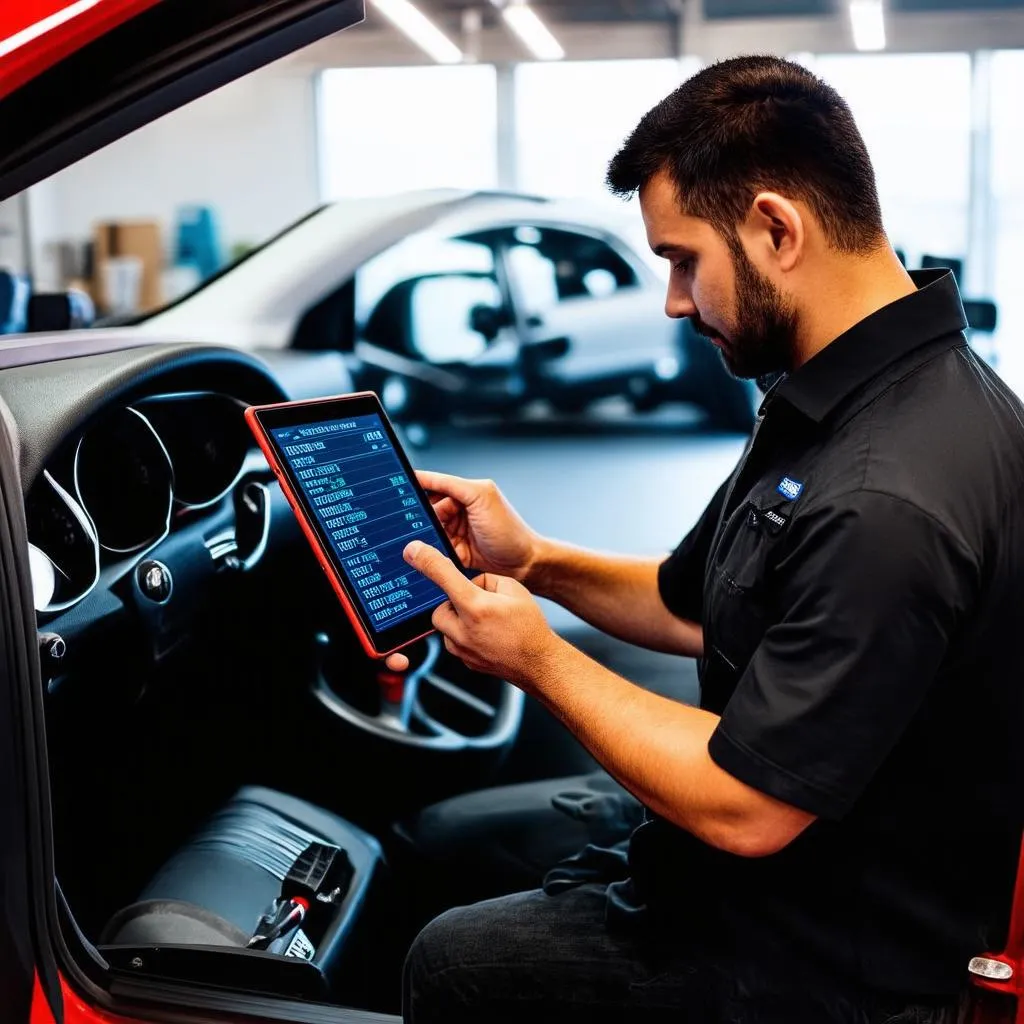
x,y
441,311
387,130
1007,211
416,256
914,111
600,101
553,266
417,297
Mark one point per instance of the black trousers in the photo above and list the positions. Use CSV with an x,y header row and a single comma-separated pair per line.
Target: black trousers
x,y
502,840
539,956
531,958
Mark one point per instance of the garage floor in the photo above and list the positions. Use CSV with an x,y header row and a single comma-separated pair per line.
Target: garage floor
x,y
613,481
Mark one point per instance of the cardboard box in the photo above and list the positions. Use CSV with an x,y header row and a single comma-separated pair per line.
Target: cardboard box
x,y
139,238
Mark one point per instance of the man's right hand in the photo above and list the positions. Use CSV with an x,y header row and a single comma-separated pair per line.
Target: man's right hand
x,y
486,532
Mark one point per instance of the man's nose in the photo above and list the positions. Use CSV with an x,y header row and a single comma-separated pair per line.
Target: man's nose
x,y
679,305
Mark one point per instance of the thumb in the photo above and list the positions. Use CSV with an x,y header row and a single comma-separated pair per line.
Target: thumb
x,y
442,571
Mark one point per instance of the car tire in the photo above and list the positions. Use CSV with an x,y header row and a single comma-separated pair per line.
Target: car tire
x,y
409,401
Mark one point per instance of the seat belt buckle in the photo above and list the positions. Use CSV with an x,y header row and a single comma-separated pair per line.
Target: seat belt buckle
x,y
321,874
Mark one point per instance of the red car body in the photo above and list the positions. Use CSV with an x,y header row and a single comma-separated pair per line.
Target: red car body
x,y
35,37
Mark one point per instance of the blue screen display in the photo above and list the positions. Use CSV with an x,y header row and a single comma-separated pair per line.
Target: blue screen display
x,y
357,488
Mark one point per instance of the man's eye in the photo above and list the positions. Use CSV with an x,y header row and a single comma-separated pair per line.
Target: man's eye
x,y
683,266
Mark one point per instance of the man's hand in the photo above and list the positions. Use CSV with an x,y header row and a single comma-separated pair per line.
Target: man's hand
x,y
492,623
486,532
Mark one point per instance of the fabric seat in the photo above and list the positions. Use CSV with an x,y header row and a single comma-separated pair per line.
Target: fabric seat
x,y
213,890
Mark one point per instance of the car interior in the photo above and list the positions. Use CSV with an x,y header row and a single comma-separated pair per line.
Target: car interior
x,y
211,718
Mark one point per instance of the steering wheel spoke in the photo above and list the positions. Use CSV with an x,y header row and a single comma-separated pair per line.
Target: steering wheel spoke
x,y
470,700
426,709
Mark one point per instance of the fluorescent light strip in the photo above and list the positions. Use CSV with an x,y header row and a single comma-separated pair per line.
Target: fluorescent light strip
x,y
535,35
19,39
868,21
423,32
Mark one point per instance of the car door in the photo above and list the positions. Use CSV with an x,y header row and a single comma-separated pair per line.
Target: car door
x,y
579,287
80,82
19,963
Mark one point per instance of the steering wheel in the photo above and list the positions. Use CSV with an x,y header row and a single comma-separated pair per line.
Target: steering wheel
x,y
488,711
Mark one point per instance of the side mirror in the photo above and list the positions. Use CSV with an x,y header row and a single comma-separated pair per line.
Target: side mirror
x,y
487,320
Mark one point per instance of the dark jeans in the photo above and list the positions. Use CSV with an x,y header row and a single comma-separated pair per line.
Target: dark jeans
x,y
533,958
491,842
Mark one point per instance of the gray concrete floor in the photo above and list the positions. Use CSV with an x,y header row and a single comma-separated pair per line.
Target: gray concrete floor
x,y
611,480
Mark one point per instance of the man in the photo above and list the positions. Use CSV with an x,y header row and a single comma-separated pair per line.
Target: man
x,y
833,833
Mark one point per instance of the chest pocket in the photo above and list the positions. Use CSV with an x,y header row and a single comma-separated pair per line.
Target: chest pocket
x,y
738,589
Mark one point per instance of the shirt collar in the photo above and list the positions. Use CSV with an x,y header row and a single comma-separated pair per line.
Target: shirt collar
x,y
866,349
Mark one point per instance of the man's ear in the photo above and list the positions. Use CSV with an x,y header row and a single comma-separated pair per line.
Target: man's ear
x,y
775,229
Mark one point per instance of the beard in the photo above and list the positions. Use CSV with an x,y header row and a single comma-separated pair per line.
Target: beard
x,y
763,342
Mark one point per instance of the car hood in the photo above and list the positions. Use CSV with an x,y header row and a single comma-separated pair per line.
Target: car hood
x,y
75,77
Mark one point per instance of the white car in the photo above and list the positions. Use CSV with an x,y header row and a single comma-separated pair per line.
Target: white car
x,y
466,302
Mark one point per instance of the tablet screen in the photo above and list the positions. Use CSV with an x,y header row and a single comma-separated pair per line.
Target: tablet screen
x,y
358,491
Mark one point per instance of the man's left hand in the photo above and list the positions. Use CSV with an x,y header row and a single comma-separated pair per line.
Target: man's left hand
x,y
492,623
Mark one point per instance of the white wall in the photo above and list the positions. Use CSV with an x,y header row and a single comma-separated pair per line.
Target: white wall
x,y
249,150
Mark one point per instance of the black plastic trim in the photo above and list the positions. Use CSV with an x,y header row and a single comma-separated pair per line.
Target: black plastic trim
x,y
176,51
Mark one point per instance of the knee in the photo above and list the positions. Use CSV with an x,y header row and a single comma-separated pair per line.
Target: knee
x,y
428,985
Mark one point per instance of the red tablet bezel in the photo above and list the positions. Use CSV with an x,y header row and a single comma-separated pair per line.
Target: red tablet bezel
x,y
377,644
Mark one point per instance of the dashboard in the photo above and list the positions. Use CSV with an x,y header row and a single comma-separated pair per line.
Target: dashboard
x,y
139,456
131,474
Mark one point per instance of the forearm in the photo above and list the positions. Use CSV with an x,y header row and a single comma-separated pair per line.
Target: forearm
x,y
615,594
658,749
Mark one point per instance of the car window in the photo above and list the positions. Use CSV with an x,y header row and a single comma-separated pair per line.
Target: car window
x,y
441,310
552,266
415,257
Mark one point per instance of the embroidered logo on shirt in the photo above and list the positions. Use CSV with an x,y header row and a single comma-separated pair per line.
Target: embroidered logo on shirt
x,y
775,518
790,488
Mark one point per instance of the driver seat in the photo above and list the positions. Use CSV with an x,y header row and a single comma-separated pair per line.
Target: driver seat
x,y
213,890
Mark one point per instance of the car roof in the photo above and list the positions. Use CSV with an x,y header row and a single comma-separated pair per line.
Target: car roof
x,y
256,302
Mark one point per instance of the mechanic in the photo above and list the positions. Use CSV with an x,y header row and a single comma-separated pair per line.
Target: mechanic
x,y
833,833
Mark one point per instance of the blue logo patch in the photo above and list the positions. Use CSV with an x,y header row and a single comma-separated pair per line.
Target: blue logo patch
x,y
789,488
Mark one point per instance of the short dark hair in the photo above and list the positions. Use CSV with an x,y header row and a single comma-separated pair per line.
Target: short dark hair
x,y
754,123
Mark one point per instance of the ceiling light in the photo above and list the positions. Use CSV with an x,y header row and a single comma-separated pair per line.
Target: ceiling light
x,y
535,35
868,21
423,32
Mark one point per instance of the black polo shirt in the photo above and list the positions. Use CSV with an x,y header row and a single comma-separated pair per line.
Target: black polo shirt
x,y
860,580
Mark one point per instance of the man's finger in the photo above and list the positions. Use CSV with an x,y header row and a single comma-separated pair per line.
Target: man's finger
x,y
397,662
446,509
457,487
442,571
445,619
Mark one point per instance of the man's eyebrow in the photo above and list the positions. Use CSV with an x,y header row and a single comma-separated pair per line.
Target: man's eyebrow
x,y
666,247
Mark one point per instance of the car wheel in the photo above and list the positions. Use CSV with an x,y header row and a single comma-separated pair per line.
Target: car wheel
x,y
643,394
407,400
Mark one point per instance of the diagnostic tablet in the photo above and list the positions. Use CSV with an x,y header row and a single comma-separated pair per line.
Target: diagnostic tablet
x,y
342,468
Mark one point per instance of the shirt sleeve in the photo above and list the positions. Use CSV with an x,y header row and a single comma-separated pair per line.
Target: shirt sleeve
x,y
681,575
871,592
